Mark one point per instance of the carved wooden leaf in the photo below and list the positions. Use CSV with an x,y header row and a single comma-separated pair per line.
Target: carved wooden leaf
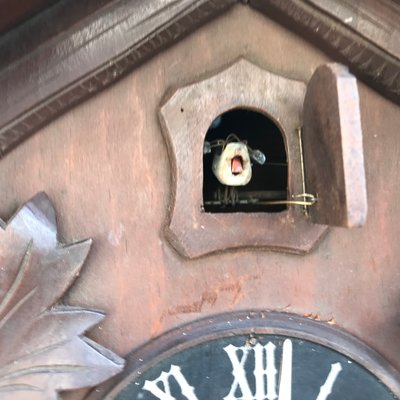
x,y
42,350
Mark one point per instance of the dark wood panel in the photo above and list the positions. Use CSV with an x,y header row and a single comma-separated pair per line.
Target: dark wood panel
x,y
14,12
49,26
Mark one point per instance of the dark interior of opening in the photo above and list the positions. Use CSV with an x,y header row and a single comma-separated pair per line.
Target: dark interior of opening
x,y
268,182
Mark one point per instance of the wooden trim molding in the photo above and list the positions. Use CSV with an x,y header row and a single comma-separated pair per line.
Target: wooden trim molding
x,y
374,21
73,64
366,58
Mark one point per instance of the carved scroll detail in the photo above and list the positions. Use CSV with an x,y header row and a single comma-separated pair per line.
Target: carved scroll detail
x,y
42,347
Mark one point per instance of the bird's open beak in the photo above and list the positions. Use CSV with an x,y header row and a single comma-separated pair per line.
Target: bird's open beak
x,y
237,165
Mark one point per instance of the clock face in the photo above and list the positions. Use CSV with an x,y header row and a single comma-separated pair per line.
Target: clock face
x,y
286,358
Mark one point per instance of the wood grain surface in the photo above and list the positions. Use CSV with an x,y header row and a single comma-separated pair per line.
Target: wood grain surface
x,y
113,184
333,150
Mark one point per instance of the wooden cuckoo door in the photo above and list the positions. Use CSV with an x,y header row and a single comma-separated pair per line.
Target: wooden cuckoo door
x,y
333,150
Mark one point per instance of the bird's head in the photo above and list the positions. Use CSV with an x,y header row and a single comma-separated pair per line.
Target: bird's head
x,y
231,163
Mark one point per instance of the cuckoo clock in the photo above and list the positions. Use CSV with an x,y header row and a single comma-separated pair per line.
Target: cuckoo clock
x,y
185,190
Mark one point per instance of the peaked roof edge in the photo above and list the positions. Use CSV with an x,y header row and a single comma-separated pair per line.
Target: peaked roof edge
x,y
111,42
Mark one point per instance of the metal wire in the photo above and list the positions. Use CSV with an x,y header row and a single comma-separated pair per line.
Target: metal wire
x,y
303,180
312,200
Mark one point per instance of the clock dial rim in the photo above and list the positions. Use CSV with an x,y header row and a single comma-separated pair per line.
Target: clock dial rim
x,y
249,323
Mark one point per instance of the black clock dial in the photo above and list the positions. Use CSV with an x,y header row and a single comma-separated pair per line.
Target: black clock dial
x,y
274,367
256,356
